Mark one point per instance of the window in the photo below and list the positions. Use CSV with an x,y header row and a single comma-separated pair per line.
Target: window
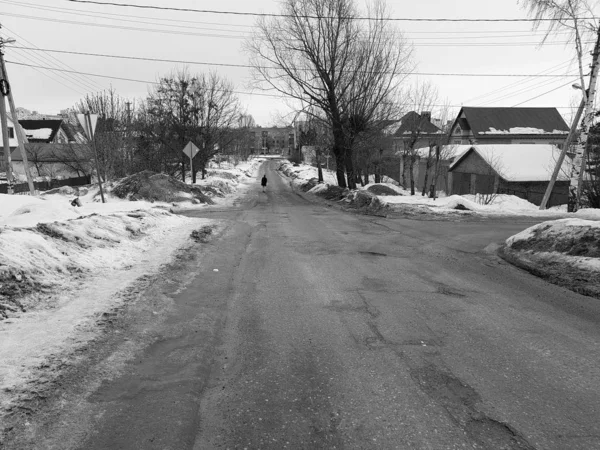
x,y
457,130
11,132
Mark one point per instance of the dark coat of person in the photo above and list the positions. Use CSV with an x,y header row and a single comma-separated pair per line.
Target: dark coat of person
x,y
263,182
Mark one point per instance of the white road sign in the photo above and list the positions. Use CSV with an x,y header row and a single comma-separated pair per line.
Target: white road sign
x,y
84,124
191,150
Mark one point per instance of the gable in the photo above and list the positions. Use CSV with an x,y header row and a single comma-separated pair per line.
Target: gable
x,y
513,121
412,121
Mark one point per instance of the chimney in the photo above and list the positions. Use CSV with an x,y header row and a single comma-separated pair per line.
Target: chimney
x,y
426,115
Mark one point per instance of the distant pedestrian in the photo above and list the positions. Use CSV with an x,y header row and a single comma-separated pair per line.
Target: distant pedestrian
x,y
263,182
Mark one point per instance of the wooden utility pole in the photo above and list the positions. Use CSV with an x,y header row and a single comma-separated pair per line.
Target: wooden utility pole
x,y
17,126
578,163
562,155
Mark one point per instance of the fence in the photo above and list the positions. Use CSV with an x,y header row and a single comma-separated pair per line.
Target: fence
x,y
46,185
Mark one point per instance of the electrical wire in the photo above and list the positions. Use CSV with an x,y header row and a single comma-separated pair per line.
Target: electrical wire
x,y
547,92
239,13
87,83
178,24
176,61
225,36
236,92
50,76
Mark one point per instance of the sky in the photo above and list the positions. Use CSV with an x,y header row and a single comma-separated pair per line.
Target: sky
x,y
491,48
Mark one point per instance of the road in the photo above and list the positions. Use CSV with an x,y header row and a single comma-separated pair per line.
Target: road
x,y
305,327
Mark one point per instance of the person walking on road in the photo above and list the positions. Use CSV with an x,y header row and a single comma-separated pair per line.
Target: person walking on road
x,y
263,182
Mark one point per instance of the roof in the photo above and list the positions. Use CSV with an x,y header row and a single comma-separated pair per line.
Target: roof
x,y
519,162
41,130
46,152
413,121
517,121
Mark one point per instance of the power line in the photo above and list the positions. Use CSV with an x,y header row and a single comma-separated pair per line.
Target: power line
x,y
239,13
86,83
195,22
235,92
547,92
178,23
226,36
176,61
122,78
550,70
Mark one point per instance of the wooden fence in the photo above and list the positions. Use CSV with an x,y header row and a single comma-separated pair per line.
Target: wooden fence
x,y
23,188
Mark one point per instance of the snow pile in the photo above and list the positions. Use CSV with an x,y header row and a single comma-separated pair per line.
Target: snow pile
x,y
564,251
151,186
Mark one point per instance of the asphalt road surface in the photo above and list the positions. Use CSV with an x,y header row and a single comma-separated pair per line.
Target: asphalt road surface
x,y
324,329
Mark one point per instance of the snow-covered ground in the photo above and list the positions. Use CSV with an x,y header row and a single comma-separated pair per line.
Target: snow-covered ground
x,y
501,204
62,266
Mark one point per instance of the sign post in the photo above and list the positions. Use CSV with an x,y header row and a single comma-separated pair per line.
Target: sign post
x,y
191,150
88,123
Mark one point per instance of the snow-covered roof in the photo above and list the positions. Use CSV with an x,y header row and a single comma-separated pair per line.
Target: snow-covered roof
x,y
519,162
483,121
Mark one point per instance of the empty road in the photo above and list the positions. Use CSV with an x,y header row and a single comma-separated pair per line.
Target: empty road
x,y
323,329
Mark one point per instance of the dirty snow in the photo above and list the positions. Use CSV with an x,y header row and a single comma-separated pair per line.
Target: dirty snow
x,y
502,204
98,251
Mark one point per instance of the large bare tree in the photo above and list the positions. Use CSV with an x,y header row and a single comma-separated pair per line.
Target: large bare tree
x,y
325,55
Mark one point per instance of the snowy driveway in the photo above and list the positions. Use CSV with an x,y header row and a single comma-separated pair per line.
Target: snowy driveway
x,y
304,327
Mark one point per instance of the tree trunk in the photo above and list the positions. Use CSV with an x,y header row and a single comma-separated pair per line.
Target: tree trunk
x,y
366,177
427,168
339,168
183,168
436,169
412,174
350,169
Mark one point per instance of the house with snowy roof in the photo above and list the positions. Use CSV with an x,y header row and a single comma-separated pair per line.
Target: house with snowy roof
x,y
494,125
418,128
523,170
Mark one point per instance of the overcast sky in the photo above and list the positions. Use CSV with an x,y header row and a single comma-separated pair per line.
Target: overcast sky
x,y
465,47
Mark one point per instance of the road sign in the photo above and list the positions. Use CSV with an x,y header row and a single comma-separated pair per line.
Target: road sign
x,y
191,150
84,124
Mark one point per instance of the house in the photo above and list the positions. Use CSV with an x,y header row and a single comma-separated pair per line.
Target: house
x,y
418,128
53,160
523,170
44,131
508,126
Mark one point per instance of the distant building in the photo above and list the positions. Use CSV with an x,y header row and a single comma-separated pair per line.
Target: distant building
x,y
271,141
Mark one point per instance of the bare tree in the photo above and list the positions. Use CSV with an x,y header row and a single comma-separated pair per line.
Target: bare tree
x,y
201,108
113,135
579,18
320,54
416,126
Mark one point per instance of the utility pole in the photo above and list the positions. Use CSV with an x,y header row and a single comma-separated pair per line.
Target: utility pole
x,y
13,112
562,155
578,162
